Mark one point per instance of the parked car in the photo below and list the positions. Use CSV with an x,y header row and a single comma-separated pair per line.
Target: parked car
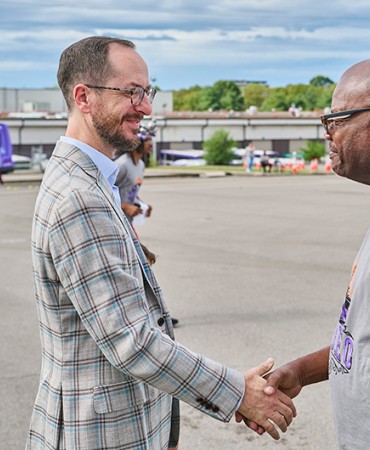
x,y
21,162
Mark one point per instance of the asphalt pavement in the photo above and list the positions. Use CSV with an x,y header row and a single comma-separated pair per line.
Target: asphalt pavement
x,y
251,266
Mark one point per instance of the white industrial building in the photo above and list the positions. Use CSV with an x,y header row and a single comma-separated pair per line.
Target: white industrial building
x,y
41,102
38,117
280,132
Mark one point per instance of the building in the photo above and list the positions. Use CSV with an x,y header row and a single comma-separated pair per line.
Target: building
x,y
36,102
41,102
38,117
278,131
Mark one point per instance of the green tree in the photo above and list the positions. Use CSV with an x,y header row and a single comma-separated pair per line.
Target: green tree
x,y
207,99
325,96
302,95
222,95
255,94
187,99
218,149
320,80
313,150
278,99
226,95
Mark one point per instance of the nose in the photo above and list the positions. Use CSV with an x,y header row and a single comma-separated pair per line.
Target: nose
x,y
327,135
145,106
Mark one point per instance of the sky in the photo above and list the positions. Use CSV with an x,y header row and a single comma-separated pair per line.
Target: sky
x,y
190,42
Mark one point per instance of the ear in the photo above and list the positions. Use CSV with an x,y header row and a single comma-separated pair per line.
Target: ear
x,y
82,96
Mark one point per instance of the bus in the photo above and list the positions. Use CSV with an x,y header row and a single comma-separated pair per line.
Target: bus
x,y
189,157
193,157
6,150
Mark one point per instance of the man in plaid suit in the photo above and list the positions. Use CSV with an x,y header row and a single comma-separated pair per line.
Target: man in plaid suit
x,y
112,373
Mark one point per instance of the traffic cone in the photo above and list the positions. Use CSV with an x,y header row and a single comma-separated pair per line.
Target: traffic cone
x,y
314,165
328,165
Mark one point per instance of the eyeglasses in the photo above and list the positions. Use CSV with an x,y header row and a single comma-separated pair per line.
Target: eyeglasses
x,y
136,93
328,120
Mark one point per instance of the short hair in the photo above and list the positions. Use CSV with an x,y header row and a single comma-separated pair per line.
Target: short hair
x,y
86,61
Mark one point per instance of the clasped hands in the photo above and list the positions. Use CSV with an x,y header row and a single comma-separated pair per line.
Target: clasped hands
x,y
262,412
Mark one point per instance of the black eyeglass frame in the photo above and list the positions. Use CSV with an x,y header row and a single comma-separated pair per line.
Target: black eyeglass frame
x,y
326,119
149,92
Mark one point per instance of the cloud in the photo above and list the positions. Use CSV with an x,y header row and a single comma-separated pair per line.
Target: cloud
x,y
189,42
16,65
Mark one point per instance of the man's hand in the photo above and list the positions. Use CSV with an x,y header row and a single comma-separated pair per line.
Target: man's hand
x,y
286,378
264,410
291,378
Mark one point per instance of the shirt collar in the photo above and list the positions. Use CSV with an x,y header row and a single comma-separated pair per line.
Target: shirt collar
x,y
106,166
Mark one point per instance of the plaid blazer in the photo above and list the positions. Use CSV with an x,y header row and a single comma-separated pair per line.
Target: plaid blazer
x,y
110,367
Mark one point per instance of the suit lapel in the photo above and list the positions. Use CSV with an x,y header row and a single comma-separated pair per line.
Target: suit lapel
x,y
74,154
106,190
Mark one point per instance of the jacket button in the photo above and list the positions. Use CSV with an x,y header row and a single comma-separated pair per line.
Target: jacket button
x,y
160,321
215,409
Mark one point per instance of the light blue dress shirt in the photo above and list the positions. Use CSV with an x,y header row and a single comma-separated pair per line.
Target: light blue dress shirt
x,y
107,167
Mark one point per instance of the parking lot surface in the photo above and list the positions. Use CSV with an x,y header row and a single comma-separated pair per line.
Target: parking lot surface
x,y
251,266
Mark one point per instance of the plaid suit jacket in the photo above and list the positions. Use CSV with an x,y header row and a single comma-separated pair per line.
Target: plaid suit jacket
x,y
110,367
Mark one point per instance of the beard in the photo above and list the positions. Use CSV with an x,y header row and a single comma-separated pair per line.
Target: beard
x,y
108,128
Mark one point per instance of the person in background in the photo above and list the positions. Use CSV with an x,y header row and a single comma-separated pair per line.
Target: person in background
x,y
265,162
249,156
346,361
131,175
129,179
112,374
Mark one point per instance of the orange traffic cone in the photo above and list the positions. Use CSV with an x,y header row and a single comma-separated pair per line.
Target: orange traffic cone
x,y
314,165
328,165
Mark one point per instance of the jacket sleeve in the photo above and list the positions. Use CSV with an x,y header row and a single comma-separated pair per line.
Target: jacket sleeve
x,y
98,268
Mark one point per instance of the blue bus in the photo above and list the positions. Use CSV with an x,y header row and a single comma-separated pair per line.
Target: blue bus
x,y
6,150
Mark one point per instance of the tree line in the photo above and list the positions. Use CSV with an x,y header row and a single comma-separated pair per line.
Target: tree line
x,y
227,95
219,149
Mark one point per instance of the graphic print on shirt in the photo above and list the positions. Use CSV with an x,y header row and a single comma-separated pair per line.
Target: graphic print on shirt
x,y
135,190
342,348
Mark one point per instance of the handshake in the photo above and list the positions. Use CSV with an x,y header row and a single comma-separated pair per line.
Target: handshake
x,y
267,405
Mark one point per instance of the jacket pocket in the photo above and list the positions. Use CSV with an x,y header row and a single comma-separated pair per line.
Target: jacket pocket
x,y
118,397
